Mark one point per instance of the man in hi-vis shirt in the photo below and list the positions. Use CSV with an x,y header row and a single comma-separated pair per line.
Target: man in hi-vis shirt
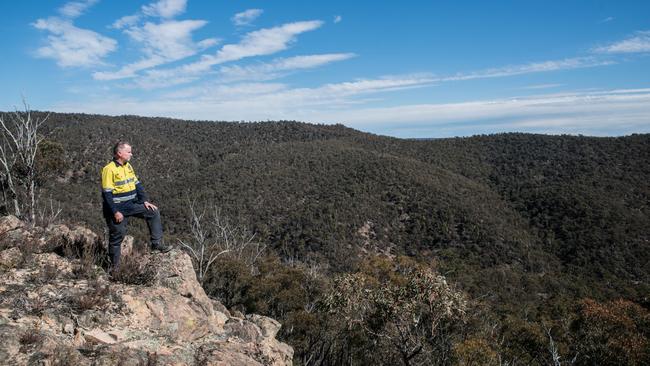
x,y
123,197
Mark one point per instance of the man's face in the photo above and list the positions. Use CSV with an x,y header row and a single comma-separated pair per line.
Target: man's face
x,y
124,153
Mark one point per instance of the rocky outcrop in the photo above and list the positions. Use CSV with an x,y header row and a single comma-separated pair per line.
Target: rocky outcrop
x,y
58,310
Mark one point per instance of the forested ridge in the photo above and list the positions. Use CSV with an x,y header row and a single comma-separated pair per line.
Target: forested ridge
x,y
531,226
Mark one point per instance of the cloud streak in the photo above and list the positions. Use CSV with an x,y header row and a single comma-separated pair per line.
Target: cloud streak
x,y
542,86
261,42
246,17
638,43
534,67
279,67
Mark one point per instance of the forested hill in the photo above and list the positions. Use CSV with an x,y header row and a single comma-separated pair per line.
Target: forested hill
x,y
512,217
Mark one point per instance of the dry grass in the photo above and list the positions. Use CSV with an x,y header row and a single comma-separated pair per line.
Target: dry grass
x,y
98,296
27,248
87,256
135,269
46,274
30,337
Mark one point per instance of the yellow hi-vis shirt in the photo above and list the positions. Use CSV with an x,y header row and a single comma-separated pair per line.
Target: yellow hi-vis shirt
x,y
120,180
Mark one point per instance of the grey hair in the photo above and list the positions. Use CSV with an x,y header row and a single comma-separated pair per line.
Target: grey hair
x,y
119,146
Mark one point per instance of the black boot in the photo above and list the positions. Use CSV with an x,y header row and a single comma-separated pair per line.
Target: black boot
x,y
161,247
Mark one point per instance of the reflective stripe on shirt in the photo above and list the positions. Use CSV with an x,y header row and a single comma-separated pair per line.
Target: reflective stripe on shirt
x,y
124,198
123,182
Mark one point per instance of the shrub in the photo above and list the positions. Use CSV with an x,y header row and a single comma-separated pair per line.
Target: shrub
x,y
408,320
135,269
31,336
97,296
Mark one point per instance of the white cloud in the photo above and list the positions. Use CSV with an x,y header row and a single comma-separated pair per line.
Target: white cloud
x,y
254,46
161,43
257,43
337,19
279,67
226,92
171,39
585,113
535,67
73,46
165,8
246,17
542,86
639,42
365,86
260,101
74,9
607,20
126,21
264,41
592,113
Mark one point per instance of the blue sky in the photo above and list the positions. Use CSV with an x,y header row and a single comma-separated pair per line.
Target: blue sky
x,y
404,69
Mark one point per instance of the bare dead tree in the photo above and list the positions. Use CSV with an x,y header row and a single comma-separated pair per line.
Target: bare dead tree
x,y
213,235
18,148
48,213
554,350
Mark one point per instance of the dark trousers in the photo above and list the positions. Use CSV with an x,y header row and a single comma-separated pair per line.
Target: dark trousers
x,y
116,231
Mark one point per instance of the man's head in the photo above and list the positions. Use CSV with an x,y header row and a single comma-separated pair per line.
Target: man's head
x,y
122,151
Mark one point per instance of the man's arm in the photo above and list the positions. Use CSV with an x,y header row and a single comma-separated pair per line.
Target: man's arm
x,y
107,189
107,196
141,195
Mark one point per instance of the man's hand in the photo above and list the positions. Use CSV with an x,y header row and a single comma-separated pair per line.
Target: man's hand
x,y
150,206
119,217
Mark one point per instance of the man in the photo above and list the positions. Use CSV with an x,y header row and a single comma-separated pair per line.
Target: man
x,y
123,197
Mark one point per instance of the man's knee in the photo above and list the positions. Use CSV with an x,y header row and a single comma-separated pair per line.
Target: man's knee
x,y
116,232
152,214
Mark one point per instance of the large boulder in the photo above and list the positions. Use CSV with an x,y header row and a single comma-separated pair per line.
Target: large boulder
x,y
176,304
14,233
75,240
269,327
9,258
176,272
10,223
